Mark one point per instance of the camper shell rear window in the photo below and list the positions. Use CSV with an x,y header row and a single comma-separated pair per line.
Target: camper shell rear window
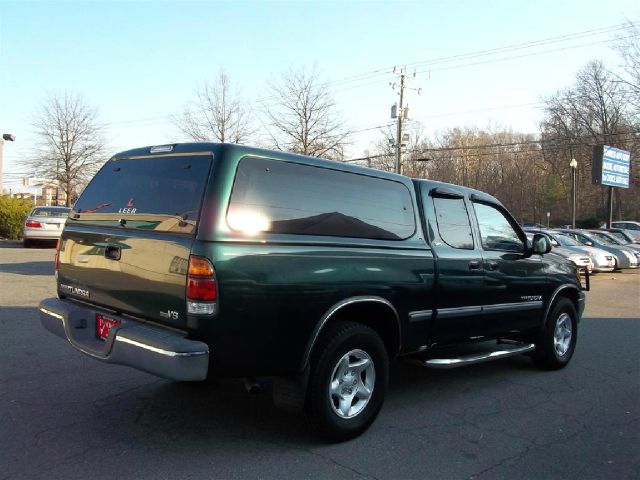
x,y
156,192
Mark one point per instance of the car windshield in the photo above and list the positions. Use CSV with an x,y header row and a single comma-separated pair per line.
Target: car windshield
x,y
567,241
605,239
620,237
50,212
586,239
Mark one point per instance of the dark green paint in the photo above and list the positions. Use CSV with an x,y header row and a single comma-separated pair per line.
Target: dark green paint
x,y
274,289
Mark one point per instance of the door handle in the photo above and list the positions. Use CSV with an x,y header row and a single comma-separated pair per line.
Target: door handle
x,y
492,266
112,252
474,265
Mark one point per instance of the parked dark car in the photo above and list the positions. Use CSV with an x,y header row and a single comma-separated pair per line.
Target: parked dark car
x,y
191,261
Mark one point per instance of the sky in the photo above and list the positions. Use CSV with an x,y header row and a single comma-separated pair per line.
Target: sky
x,y
138,63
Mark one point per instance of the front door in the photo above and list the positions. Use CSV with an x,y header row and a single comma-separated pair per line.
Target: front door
x,y
514,283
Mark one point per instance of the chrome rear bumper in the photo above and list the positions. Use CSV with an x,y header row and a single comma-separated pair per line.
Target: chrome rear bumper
x,y
165,353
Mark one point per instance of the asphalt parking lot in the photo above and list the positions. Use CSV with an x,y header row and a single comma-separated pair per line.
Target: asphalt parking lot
x,y
63,415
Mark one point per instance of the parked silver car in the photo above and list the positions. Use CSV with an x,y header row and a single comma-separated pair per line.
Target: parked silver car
x,y
578,257
625,257
631,228
602,261
617,235
44,223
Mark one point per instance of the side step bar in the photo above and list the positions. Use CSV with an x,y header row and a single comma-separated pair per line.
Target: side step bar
x,y
463,360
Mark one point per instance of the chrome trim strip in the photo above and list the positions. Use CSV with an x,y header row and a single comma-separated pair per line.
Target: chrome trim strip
x,y
420,315
334,309
509,307
459,311
495,308
158,350
52,313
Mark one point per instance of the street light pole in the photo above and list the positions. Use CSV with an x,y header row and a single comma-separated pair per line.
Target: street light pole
x,y
9,138
573,164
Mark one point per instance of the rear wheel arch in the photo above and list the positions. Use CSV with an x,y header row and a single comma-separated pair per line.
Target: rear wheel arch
x,y
375,312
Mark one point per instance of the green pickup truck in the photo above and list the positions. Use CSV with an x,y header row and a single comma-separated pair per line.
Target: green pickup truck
x,y
191,261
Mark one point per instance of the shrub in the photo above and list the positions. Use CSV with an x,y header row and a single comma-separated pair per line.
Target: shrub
x,y
592,222
13,212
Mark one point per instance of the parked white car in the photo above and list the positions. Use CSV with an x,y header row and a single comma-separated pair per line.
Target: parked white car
x,y
44,223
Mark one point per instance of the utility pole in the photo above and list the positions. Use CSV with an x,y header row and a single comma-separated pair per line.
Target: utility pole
x,y
400,112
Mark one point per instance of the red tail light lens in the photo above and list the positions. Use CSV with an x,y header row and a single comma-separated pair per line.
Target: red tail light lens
x,y
202,289
33,224
201,282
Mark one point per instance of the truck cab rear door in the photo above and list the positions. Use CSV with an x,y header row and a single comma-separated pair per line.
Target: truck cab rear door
x,y
460,274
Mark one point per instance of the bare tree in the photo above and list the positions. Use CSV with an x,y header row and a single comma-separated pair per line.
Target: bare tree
x,y
628,45
593,111
302,118
71,146
216,113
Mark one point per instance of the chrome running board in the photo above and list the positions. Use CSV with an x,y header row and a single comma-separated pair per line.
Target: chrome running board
x,y
463,360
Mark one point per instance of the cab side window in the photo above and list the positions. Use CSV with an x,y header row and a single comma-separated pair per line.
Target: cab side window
x,y
496,230
453,222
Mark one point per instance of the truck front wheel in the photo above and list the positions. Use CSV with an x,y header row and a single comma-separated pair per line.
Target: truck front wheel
x,y
557,340
348,380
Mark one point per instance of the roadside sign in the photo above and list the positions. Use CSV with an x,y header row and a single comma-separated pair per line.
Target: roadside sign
x,y
611,166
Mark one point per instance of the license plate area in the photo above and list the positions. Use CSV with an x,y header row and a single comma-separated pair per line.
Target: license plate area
x,y
104,325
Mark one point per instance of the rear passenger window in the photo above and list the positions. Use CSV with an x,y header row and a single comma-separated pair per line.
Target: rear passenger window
x,y
453,222
281,197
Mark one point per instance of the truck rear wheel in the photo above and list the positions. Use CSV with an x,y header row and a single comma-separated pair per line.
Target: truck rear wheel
x,y
557,340
348,380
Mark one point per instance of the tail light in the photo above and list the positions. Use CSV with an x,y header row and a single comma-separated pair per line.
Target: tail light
x,y
202,289
33,224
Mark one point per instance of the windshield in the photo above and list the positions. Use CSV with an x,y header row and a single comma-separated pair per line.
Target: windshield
x,y
50,212
566,241
620,237
585,239
605,239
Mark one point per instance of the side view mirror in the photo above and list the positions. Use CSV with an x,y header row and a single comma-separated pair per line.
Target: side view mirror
x,y
541,244
589,243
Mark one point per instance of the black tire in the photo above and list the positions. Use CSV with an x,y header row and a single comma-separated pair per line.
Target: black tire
x,y
552,355
26,243
333,345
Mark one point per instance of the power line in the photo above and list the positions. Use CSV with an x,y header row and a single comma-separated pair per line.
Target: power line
x,y
474,54
529,44
542,143
514,57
